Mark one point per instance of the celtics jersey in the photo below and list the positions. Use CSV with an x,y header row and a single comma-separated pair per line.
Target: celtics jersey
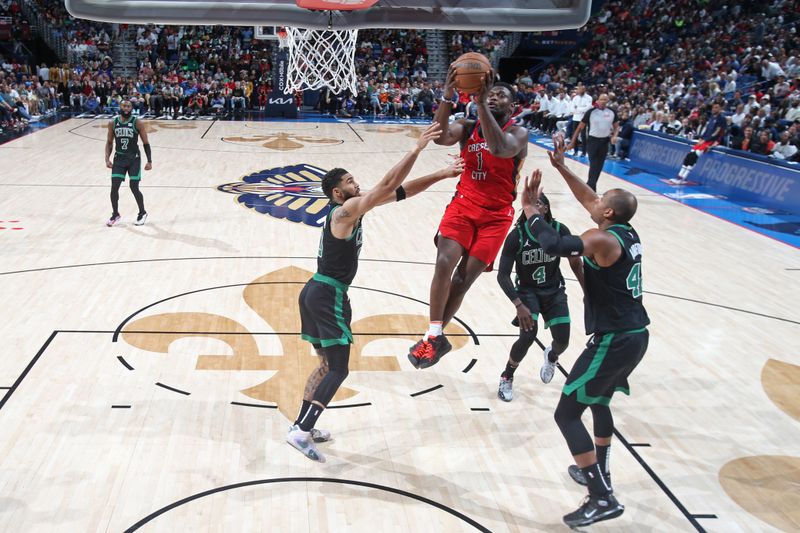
x,y
126,137
338,258
613,299
535,269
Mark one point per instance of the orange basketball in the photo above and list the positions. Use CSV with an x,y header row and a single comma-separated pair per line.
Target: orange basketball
x,y
470,71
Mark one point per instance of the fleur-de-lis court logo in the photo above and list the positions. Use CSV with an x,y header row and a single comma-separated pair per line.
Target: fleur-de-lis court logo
x,y
274,298
411,131
282,141
152,126
293,192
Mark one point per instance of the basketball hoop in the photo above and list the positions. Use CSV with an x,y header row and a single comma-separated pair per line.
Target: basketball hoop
x,y
283,37
321,58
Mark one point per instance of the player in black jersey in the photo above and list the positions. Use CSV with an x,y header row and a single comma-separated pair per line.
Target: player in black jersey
x,y
539,289
615,318
123,134
324,305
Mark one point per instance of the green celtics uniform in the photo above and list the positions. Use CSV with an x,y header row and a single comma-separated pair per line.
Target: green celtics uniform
x,y
127,159
539,283
616,319
324,306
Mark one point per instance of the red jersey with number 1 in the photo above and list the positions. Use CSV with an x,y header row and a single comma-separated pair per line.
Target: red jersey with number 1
x,y
488,180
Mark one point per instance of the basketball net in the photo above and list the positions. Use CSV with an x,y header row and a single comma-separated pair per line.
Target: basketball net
x,y
320,58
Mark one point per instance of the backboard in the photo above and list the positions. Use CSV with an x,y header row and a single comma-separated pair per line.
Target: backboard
x,y
507,15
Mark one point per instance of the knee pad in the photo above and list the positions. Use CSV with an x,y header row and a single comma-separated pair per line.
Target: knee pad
x,y
690,159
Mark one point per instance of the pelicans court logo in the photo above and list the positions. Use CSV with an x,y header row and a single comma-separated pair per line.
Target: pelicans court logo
x,y
273,297
293,192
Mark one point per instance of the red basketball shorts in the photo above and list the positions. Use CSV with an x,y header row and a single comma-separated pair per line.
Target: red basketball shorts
x,y
479,230
702,147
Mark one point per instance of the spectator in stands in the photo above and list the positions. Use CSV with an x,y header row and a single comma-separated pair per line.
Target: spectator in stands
x,y
793,111
624,136
744,140
784,149
763,145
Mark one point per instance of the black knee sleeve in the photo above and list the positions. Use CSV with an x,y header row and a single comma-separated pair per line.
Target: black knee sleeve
x,y
338,357
568,417
690,159
560,333
521,346
603,421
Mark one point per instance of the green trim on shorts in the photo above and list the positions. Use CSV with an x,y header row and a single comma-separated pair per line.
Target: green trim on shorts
x,y
556,321
347,336
325,343
327,280
579,385
118,176
137,177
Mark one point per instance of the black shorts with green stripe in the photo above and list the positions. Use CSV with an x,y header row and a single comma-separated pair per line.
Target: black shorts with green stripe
x,y
604,366
132,165
552,305
325,312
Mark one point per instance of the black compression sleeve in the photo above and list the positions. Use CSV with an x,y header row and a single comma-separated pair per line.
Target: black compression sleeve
x,y
148,153
507,258
553,243
400,193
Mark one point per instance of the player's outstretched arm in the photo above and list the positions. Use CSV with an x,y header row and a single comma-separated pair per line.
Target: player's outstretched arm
x,y
353,208
500,143
416,186
602,246
451,133
582,192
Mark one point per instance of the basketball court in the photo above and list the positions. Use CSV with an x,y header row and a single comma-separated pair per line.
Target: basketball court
x,y
150,372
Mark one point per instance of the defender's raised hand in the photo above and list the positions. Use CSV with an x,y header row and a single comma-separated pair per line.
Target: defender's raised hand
x,y
455,168
430,134
531,192
559,147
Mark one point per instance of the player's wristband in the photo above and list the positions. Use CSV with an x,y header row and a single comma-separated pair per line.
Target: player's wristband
x,y
400,193
148,153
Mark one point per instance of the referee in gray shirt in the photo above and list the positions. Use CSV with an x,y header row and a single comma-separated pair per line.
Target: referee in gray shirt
x,y
603,126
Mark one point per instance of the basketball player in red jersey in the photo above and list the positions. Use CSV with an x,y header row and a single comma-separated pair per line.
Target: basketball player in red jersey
x,y
477,220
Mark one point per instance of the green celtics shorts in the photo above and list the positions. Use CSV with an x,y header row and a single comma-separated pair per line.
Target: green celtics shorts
x,y
604,366
325,312
126,164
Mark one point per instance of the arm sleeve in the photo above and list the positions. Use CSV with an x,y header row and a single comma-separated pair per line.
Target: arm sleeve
x,y
553,243
507,258
148,153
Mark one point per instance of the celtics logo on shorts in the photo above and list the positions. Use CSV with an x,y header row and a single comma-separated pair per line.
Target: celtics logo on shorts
x,y
293,192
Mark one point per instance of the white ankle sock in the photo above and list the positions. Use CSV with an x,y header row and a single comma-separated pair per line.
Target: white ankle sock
x,y
434,330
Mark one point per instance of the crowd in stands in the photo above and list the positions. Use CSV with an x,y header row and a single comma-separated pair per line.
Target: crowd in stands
x,y
664,64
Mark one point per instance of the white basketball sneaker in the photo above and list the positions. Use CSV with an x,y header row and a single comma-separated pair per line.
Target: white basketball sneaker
x,y
140,220
317,435
506,390
302,442
548,367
